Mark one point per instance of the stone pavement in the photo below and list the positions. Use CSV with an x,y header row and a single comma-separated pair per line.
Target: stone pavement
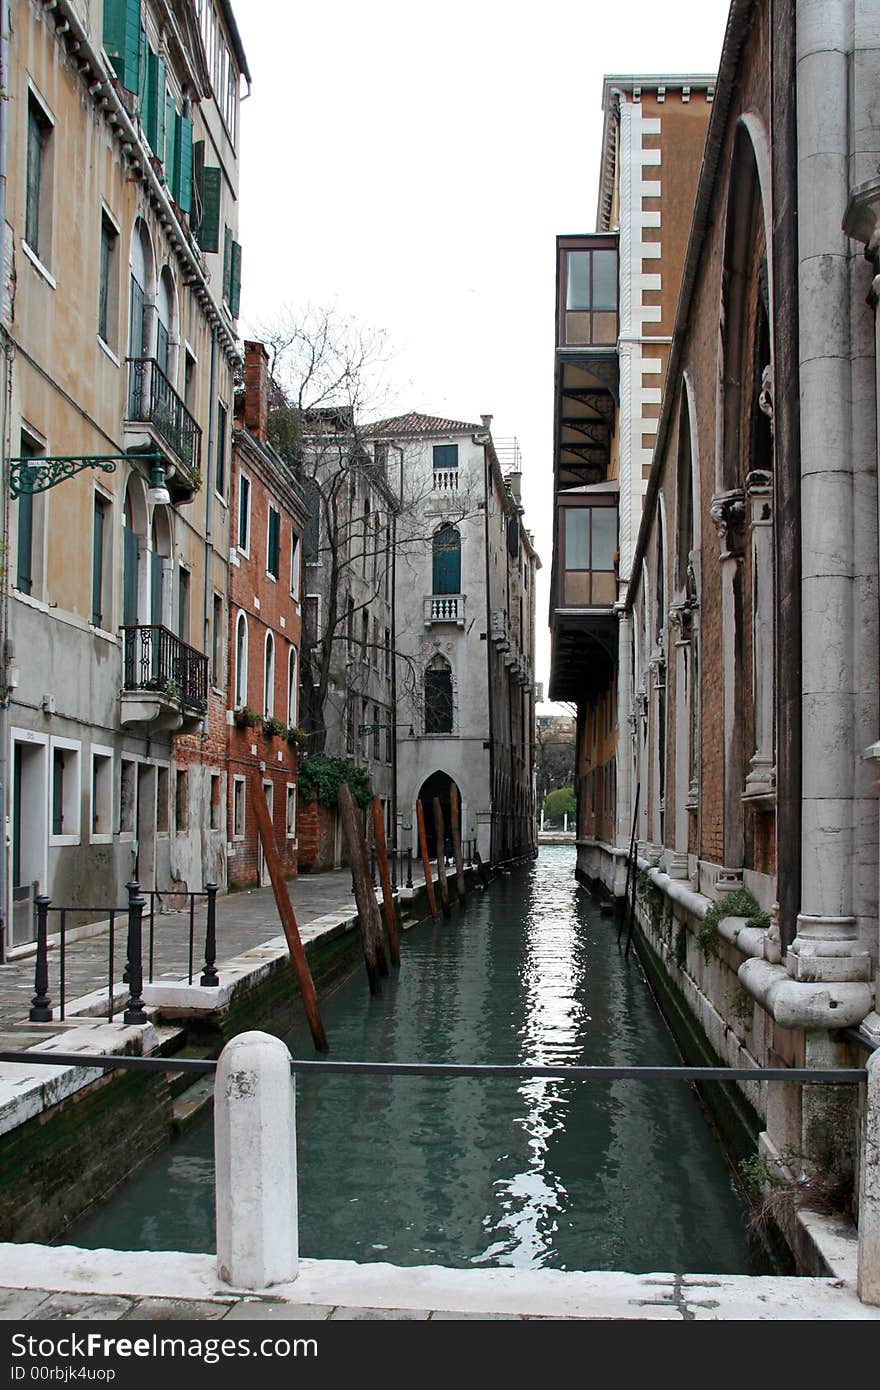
x,y
42,1283
244,919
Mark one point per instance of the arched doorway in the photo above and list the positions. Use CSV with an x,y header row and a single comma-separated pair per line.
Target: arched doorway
x,y
437,785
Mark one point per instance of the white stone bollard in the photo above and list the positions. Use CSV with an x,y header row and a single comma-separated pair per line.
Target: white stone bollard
x,y
255,1163
869,1192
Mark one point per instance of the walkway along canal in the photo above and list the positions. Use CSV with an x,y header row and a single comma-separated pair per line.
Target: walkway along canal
x,y
470,1173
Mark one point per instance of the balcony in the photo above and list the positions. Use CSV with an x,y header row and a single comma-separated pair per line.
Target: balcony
x,y
156,418
165,682
587,370
446,481
583,595
444,608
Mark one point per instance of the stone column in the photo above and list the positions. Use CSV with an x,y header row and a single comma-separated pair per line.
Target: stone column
x,y
679,619
869,1191
255,1162
826,923
761,778
624,809
727,510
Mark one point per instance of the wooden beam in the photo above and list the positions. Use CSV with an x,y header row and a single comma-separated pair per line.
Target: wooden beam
x,y
368,911
455,830
385,879
287,914
426,863
440,836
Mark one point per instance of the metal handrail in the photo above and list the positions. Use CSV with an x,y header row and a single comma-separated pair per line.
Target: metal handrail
x,y
840,1076
153,400
155,658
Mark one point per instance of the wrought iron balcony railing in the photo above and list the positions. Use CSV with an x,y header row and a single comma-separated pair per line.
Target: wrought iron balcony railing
x,y
153,400
157,660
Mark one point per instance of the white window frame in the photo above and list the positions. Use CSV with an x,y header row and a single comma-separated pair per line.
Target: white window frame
x,y
240,671
268,685
74,800
126,835
239,835
269,510
107,754
295,565
290,797
292,688
243,549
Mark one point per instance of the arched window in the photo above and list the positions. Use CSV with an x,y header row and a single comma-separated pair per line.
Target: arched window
x,y
165,327
446,561
269,678
292,711
160,555
660,590
241,661
684,541
438,696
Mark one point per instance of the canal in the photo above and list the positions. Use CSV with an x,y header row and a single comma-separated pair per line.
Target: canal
x,y
461,1172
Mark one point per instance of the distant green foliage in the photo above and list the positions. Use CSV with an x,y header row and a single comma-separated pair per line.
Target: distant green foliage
x,y
559,803
320,776
742,903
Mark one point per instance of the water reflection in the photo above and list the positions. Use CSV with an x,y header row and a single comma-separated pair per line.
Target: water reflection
x,y
461,1171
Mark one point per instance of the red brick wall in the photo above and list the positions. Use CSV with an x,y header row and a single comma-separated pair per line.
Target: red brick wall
x,y
317,837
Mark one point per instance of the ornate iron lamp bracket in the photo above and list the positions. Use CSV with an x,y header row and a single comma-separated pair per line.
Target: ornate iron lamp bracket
x,y
30,475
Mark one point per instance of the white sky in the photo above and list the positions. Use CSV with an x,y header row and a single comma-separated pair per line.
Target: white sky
x,y
412,165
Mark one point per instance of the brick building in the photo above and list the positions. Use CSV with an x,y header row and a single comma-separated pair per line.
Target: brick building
x,y
268,518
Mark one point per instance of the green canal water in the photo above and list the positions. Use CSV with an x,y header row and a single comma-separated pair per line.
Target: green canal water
x,y
463,1172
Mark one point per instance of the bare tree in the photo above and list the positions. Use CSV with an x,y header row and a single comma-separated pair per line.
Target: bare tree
x,y
555,747
328,379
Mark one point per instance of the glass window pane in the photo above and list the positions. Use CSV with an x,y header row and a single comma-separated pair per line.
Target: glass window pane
x,y
604,537
577,329
577,294
604,280
576,589
577,553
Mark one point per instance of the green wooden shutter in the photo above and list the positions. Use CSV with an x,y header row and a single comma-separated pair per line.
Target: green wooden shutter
x,y
155,111
184,137
122,40
144,54
208,235
98,564
227,264
129,578
235,280
57,791
170,141
274,565
24,570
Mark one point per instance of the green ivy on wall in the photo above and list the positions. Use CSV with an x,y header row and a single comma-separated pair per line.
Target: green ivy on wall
x,y
320,776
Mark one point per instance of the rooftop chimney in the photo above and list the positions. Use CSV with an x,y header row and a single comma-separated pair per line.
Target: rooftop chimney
x,y
256,390
487,421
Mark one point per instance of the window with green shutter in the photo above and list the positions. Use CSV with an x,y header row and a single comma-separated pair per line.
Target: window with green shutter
x,y
182,185
206,207
170,140
227,263
235,280
154,114
273,548
122,40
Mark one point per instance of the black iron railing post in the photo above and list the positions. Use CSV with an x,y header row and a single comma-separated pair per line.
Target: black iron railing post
x,y
209,974
135,1012
41,1012
393,858
373,865
409,882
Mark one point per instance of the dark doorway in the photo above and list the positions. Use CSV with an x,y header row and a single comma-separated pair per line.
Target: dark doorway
x,y
438,784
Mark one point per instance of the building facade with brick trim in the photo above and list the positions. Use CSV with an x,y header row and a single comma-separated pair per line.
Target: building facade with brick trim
x,y
269,515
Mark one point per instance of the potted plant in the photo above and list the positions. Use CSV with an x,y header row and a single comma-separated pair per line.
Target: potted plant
x,y
245,717
272,727
297,735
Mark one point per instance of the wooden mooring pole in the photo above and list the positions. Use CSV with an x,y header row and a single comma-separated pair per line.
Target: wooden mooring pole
x,y
385,880
440,837
481,867
368,908
426,863
455,830
287,915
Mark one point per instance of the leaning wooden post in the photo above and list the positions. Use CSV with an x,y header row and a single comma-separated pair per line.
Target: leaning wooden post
x,y
440,836
287,915
426,863
455,829
368,912
384,875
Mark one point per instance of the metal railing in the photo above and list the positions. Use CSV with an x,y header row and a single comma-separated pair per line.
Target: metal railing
x,y
140,902
157,659
153,400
